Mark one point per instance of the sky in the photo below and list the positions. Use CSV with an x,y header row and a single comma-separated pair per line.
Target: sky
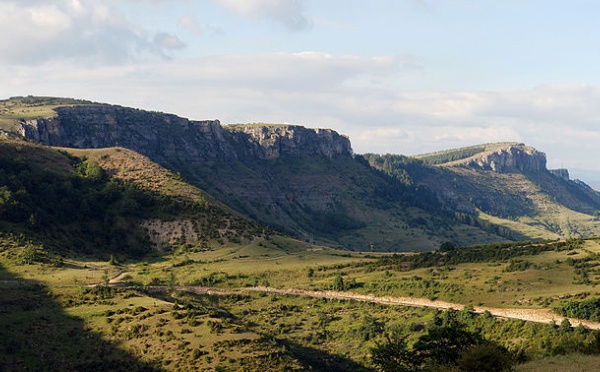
x,y
396,76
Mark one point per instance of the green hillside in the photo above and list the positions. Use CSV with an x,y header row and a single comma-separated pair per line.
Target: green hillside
x,y
15,109
98,202
109,261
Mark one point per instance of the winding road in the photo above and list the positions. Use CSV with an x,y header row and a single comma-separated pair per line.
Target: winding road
x,y
530,315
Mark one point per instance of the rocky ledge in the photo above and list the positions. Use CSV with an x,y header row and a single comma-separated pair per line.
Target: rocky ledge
x,y
273,141
167,138
510,159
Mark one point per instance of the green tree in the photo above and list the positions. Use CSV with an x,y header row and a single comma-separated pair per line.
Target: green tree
x,y
324,319
113,261
370,327
105,278
486,357
447,247
393,355
93,171
565,326
338,283
171,281
444,345
31,253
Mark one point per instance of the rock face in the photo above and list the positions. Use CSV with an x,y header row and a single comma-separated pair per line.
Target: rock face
x,y
168,138
269,142
159,136
519,158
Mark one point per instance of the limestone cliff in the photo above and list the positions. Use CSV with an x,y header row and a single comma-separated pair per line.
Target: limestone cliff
x,y
168,138
516,158
269,142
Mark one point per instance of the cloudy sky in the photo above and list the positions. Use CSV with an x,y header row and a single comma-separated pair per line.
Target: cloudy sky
x,y
396,76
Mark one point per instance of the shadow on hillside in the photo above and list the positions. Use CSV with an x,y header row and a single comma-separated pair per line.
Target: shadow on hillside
x,y
319,360
567,193
36,334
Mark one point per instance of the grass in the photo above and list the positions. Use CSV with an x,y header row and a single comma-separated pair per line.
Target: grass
x,y
252,331
13,110
460,154
563,363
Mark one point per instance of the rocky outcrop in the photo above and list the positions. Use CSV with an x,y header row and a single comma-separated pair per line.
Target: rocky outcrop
x,y
168,138
518,158
273,141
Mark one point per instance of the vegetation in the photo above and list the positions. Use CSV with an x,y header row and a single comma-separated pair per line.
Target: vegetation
x,y
157,323
15,109
109,261
584,309
448,156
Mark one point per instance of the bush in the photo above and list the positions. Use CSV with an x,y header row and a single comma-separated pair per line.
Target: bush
x,y
486,357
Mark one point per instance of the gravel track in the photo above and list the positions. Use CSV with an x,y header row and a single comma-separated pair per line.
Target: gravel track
x,y
530,315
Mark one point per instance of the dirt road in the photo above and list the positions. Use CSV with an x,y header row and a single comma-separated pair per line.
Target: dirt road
x,y
530,315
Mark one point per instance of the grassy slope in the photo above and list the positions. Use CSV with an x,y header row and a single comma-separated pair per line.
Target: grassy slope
x,y
534,205
203,332
15,109
461,154
338,202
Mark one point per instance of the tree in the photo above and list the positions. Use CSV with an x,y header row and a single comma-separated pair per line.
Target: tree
x,y
105,278
447,247
392,355
338,283
370,327
565,326
486,357
30,254
444,345
324,320
171,281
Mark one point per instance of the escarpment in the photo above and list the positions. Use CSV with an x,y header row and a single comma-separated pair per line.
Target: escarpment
x,y
167,138
508,157
273,141
514,158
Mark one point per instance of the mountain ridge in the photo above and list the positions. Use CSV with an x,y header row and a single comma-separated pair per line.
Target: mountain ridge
x,y
309,183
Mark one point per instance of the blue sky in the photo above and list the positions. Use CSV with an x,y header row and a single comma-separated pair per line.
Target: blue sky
x,y
396,76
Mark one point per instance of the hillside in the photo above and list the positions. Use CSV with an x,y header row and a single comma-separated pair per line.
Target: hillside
x,y
109,201
502,187
308,182
277,304
111,261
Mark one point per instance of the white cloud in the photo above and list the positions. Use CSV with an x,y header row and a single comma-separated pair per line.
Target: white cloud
x,y
191,24
167,41
37,31
287,12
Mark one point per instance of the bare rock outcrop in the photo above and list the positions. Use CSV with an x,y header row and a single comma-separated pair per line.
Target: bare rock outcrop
x,y
518,158
273,141
169,139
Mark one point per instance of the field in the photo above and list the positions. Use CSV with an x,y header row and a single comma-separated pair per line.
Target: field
x,y
187,310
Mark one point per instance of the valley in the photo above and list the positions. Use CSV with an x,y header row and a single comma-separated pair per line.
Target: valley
x,y
135,240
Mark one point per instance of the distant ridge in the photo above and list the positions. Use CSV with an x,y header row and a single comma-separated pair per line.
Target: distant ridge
x,y
447,156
